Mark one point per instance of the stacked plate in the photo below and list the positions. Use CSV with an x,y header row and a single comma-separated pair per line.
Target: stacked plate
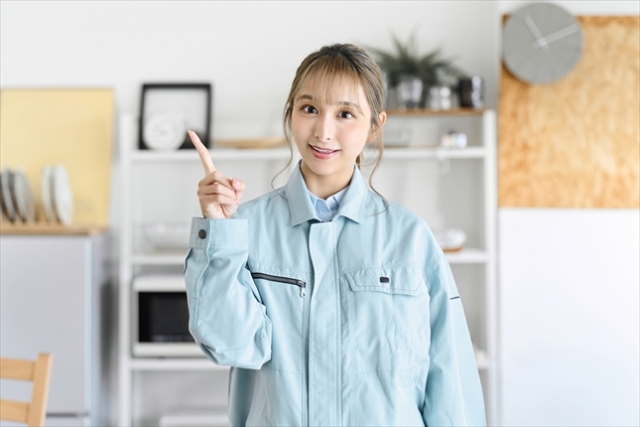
x,y
19,204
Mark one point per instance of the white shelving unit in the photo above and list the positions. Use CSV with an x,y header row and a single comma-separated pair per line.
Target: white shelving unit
x,y
479,259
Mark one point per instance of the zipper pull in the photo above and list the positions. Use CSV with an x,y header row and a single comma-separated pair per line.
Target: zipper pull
x,y
303,292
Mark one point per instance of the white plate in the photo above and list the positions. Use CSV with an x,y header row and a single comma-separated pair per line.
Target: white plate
x,y
62,195
7,202
25,203
2,214
47,202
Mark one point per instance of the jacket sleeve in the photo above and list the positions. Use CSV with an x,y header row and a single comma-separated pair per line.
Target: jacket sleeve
x,y
226,316
453,394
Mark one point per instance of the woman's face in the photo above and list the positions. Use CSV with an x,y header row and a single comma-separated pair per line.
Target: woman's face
x,y
330,126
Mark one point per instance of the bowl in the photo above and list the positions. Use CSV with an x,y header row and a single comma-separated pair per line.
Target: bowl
x,y
450,240
167,236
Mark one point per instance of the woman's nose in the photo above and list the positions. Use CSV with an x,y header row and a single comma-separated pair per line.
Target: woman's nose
x,y
324,128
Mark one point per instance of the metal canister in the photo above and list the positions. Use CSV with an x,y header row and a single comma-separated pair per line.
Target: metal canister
x,y
471,92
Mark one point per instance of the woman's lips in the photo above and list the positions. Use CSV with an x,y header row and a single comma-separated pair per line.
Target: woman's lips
x,y
322,153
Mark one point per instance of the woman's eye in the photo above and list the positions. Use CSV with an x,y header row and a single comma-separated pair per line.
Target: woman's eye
x,y
346,114
309,109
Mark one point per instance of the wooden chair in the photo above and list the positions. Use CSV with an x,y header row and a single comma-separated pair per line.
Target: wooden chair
x,y
29,413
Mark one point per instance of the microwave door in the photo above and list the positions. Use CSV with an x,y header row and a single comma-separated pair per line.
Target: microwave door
x,y
163,326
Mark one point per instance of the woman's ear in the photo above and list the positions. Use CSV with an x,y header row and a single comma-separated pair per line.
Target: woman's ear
x,y
375,132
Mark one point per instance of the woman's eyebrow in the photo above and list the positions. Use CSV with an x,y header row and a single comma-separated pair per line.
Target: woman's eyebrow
x,y
309,97
346,103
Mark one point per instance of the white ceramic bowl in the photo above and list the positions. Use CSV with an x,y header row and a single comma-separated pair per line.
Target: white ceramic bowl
x,y
167,236
450,240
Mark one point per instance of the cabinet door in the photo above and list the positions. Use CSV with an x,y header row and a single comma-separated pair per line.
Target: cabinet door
x,y
45,307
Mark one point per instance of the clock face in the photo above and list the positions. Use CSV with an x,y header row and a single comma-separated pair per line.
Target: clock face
x,y
164,132
542,43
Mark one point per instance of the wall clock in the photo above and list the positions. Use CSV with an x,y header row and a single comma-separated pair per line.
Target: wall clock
x,y
167,110
542,43
164,131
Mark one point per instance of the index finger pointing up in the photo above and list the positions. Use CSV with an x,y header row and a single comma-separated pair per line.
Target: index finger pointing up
x,y
203,153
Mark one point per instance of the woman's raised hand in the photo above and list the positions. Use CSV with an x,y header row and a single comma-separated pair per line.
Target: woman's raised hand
x,y
219,196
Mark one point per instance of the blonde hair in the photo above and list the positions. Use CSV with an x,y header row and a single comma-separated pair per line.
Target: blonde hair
x,y
353,64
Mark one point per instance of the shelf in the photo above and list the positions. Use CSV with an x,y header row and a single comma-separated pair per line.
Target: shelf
x,y
434,153
427,152
478,262
204,364
39,228
159,259
483,360
195,364
465,256
423,112
215,153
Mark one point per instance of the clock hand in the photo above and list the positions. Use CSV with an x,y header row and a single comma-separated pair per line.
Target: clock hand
x,y
540,40
558,35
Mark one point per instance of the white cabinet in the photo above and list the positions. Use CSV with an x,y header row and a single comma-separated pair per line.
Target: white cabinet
x,y
447,187
57,298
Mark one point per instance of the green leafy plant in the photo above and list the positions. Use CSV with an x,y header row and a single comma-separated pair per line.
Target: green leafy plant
x,y
431,67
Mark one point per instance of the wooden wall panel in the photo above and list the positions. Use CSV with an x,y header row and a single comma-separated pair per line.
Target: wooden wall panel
x,y
575,143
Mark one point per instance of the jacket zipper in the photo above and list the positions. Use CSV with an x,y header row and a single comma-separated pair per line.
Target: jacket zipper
x,y
299,283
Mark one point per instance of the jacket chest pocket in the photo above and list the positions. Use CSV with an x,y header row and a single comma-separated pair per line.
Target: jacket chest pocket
x,y
389,317
283,293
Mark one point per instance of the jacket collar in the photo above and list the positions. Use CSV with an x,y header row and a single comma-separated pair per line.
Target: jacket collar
x,y
300,204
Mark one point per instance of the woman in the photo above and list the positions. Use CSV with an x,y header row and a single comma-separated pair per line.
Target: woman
x,y
332,305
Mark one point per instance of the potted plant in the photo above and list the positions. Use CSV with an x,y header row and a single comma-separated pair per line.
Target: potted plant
x,y
409,72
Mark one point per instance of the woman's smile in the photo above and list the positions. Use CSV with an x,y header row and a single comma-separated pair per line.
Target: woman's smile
x,y
322,153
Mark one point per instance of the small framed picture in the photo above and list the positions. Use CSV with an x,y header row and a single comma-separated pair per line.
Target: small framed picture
x,y
169,110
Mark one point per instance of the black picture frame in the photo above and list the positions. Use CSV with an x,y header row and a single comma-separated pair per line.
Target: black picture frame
x,y
152,101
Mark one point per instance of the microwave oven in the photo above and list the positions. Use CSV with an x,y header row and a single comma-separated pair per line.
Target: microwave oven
x,y
161,318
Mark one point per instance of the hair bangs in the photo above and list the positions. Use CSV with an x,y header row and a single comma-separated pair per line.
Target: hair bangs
x,y
329,72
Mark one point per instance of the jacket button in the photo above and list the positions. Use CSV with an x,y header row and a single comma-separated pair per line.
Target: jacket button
x,y
202,234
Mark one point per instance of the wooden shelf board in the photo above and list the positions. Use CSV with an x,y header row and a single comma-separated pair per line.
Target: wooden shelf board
x,y
422,112
34,229
390,152
215,153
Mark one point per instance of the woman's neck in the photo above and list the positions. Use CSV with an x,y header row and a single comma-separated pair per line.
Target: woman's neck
x,y
324,186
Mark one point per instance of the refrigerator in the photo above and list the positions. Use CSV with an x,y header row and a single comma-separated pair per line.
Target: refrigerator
x,y
56,296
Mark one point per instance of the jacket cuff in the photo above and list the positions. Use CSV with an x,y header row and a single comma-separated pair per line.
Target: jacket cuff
x,y
218,233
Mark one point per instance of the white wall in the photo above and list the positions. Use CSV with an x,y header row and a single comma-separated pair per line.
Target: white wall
x,y
580,7
569,295
570,323
249,50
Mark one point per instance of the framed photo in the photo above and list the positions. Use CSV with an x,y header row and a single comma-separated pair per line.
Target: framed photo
x,y
168,110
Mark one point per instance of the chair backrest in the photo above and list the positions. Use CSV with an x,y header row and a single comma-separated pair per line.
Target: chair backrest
x,y
38,372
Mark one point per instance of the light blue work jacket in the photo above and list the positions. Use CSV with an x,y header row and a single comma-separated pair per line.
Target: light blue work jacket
x,y
353,322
